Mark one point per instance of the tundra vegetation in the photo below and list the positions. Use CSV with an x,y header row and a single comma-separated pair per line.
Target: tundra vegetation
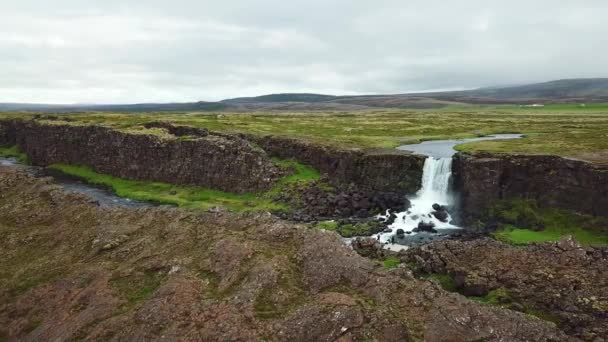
x,y
560,129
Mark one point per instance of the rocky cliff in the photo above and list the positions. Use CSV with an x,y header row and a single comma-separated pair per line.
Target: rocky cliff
x,y
552,181
382,170
219,162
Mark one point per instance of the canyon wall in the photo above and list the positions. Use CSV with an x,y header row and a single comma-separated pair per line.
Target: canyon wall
x,y
381,170
552,181
219,162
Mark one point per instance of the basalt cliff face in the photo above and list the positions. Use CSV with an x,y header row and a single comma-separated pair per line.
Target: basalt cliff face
x,y
552,181
382,170
196,156
219,162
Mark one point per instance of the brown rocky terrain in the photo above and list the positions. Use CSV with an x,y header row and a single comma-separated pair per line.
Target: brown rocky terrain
x,y
563,282
552,181
71,270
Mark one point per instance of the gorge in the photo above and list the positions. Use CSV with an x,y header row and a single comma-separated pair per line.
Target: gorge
x,y
292,269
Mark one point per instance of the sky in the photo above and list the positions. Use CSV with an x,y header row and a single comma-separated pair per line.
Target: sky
x,y
133,51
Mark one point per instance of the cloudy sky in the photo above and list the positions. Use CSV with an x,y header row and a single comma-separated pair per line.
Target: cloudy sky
x,y
124,51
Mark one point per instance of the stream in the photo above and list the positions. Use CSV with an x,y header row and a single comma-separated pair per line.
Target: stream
x,y
429,216
104,197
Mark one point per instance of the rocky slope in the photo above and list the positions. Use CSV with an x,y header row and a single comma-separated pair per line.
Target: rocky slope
x,y
552,181
72,270
179,155
563,281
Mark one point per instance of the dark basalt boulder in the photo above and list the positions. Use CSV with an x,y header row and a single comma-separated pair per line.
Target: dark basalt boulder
x,y
391,219
441,215
425,227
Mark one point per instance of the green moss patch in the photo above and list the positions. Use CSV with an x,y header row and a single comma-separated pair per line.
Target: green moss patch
x,y
192,196
523,222
446,282
498,296
349,230
138,286
391,262
14,152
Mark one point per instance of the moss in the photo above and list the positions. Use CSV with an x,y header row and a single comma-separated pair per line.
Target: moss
x,y
14,152
500,297
327,225
546,316
446,281
300,173
523,222
391,262
280,300
137,287
349,230
211,281
193,196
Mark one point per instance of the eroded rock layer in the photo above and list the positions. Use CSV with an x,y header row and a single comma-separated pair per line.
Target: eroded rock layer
x,y
226,163
382,170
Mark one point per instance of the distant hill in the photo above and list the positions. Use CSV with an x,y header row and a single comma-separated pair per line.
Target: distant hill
x,y
128,108
560,91
570,90
287,97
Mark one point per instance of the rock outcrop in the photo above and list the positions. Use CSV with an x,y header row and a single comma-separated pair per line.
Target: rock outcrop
x,y
227,163
552,181
562,282
378,170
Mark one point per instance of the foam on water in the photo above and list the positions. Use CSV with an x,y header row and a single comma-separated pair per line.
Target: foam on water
x,y
435,189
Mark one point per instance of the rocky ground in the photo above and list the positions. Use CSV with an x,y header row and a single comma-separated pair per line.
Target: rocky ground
x,y
71,270
562,282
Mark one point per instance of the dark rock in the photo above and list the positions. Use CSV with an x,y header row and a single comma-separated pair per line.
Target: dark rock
x,y
425,227
441,215
482,179
223,163
391,219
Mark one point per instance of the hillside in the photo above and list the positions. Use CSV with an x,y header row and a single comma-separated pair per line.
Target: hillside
x,y
559,91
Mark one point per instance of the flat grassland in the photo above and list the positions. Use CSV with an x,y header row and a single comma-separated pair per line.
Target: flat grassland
x,y
573,130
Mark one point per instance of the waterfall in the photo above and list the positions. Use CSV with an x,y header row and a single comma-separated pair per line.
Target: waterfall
x,y
435,182
435,190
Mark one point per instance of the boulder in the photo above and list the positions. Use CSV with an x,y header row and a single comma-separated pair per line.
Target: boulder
x,y
425,227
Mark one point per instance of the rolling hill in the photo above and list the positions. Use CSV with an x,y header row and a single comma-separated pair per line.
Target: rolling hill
x,y
559,91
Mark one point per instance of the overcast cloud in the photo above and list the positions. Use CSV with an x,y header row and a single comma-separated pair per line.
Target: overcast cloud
x,y
111,51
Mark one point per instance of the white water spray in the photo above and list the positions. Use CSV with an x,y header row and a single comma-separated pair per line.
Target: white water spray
x,y
435,189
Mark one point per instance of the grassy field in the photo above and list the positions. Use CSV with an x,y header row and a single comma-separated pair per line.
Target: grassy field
x,y
566,130
193,196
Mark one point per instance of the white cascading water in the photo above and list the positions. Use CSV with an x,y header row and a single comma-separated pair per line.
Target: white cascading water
x,y
435,189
